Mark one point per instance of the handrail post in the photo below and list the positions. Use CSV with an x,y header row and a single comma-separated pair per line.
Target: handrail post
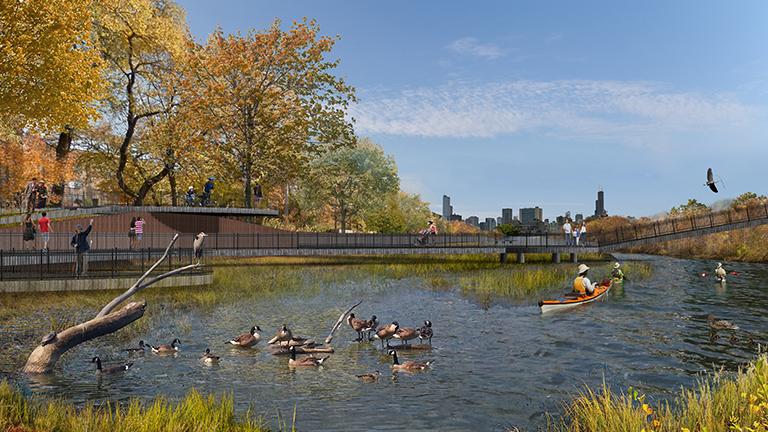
x,y
748,219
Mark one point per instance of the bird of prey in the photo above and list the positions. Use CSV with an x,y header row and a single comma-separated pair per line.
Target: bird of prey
x,y
711,180
197,245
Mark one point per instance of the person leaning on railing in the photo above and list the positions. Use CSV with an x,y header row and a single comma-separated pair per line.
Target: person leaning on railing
x,y
80,243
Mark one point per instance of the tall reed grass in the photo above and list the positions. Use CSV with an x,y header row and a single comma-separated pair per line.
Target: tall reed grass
x,y
195,413
720,403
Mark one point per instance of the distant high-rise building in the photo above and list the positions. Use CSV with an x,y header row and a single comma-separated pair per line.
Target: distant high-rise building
x,y
490,224
600,204
507,215
447,207
560,220
499,221
529,216
456,217
473,220
482,226
579,217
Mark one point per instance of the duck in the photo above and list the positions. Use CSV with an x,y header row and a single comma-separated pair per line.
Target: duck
x,y
173,348
137,350
385,333
370,326
247,340
425,332
716,324
209,358
283,335
357,325
409,366
405,334
110,370
369,377
306,361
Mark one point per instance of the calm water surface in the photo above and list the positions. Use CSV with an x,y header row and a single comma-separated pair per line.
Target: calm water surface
x,y
495,367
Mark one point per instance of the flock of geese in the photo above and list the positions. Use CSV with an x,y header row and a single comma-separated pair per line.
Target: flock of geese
x,y
367,330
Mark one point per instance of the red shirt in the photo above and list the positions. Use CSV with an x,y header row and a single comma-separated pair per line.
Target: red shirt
x,y
45,224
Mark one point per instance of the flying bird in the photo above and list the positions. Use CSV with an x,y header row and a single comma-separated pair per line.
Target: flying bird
x,y
197,245
711,180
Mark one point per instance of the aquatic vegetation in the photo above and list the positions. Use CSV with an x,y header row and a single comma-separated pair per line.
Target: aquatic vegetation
x,y
721,402
194,413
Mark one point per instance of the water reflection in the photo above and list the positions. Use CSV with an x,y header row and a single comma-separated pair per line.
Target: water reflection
x,y
496,364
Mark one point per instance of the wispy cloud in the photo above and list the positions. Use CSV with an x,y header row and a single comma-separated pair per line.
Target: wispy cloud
x,y
567,108
473,47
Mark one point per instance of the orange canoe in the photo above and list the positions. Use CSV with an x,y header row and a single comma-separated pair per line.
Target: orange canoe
x,y
569,302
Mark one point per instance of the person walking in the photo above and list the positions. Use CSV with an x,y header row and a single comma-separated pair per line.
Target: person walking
x,y
29,232
30,195
42,195
132,233
567,229
82,246
583,232
46,228
139,229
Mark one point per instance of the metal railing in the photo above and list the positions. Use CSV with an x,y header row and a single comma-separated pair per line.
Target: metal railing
x,y
683,224
18,265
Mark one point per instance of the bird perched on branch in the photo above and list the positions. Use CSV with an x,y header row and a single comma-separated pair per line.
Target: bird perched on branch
x,y
197,245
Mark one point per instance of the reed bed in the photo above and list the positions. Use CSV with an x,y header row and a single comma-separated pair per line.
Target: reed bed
x,y
195,412
720,403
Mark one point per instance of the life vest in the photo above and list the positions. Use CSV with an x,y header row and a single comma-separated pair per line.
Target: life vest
x,y
578,285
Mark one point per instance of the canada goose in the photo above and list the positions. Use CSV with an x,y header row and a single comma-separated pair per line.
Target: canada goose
x,y
370,326
109,370
209,358
369,377
716,324
306,361
283,335
405,334
247,340
357,325
409,366
426,332
137,350
167,349
385,333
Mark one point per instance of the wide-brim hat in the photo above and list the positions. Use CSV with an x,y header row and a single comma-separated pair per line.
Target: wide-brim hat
x,y
583,268
616,265
719,265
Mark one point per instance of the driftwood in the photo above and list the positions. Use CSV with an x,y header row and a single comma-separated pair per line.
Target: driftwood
x,y
54,345
339,322
414,347
301,350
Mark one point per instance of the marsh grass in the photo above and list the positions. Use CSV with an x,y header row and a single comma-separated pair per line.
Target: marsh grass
x,y
719,403
194,413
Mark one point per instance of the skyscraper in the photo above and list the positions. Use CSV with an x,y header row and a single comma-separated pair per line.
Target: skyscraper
x,y
507,215
490,223
600,204
473,220
529,216
447,208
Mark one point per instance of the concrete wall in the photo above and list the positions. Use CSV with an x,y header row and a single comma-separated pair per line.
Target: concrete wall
x,y
31,286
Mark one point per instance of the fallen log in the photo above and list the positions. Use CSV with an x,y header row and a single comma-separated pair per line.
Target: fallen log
x,y
44,357
415,347
300,350
341,319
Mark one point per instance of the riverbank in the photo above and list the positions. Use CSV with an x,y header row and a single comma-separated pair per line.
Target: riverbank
x,y
195,412
720,403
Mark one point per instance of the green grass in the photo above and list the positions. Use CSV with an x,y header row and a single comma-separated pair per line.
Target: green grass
x,y
195,413
717,404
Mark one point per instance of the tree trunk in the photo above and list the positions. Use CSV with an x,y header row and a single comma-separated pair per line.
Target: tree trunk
x,y
343,217
148,184
44,357
172,182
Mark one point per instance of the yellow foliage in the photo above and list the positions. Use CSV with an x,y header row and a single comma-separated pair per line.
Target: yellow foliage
x,y
49,72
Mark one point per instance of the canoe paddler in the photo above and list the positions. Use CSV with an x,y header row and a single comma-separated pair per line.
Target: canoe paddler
x,y
720,272
617,273
582,285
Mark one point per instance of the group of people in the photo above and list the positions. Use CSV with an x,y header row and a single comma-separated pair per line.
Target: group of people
x,y
30,229
35,195
135,231
574,233
190,199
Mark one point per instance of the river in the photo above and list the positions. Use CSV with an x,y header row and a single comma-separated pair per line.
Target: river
x,y
494,366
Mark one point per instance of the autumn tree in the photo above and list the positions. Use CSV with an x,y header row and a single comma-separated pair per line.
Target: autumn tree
x,y
50,75
749,199
352,179
267,101
692,207
141,42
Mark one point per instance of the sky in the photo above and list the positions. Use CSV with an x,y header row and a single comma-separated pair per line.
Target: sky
x,y
517,104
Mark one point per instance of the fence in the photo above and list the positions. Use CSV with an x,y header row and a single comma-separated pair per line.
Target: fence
x,y
16,265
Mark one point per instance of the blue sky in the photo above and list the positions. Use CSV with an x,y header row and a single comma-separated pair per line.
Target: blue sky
x,y
516,104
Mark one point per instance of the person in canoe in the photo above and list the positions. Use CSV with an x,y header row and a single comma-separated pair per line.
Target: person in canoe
x,y
582,285
617,274
720,272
